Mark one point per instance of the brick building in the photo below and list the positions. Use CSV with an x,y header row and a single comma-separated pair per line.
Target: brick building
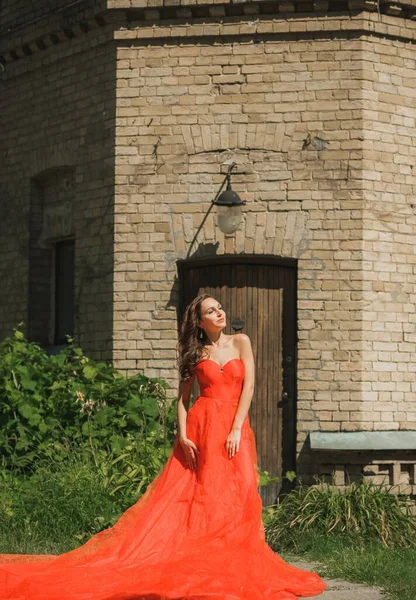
x,y
119,120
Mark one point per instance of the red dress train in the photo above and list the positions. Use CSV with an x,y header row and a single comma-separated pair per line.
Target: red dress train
x,y
193,535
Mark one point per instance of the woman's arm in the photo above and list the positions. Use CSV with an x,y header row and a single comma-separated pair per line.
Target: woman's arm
x,y
184,396
246,355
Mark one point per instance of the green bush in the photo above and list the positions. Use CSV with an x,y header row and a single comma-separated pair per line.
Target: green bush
x,y
53,405
364,509
79,444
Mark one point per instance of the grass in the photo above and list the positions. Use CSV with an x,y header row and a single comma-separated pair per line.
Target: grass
x,y
53,510
363,534
351,559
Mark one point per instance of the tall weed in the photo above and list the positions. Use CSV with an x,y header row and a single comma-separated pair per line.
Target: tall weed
x,y
54,509
364,509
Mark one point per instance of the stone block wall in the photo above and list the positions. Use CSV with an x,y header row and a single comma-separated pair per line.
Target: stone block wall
x,y
388,383
57,111
292,108
395,470
15,15
281,111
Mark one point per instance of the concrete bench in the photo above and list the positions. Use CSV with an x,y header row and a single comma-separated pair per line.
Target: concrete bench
x,y
362,440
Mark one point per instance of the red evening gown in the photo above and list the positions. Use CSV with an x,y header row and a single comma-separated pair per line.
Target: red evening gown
x,y
193,535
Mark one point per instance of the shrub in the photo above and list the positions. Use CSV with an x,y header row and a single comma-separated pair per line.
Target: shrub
x,y
79,444
53,405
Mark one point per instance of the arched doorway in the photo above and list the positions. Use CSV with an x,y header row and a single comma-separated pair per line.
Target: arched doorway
x,y
259,296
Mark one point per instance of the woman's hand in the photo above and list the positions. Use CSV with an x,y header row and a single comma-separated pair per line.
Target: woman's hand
x,y
232,444
190,451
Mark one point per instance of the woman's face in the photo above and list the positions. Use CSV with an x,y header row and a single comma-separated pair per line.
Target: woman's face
x,y
213,315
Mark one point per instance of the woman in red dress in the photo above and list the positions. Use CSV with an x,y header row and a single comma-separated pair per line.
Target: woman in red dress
x,y
196,533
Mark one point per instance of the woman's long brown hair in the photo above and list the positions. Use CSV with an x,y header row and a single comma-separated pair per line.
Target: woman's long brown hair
x,y
192,338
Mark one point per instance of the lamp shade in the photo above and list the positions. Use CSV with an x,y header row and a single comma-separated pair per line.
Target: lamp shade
x,y
229,209
229,198
229,218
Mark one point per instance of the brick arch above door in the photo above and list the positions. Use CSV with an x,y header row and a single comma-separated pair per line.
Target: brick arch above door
x,y
274,137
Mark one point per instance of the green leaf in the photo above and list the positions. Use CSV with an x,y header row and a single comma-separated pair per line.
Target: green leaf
x,y
56,385
89,372
19,347
150,407
43,428
27,411
85,428
290,475
28,384
59,359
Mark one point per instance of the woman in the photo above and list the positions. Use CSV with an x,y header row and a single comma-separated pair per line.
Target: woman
x,y
196,533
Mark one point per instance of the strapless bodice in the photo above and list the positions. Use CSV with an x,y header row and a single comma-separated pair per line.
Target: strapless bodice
x,y
216,381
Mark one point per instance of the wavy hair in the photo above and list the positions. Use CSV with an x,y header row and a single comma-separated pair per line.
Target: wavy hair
x,y
192,338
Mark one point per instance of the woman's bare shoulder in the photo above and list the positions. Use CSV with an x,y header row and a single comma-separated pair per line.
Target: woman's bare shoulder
x,y
241,340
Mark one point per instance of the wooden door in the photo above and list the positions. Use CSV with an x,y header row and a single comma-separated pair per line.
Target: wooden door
x,y
259,297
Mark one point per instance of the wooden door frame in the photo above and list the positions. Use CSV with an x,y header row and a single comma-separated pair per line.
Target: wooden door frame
x,y
289,340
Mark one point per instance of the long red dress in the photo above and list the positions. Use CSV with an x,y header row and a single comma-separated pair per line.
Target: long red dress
x,y
193,535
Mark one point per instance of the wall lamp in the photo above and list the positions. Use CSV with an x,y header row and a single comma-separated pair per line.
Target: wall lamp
x,y
229,207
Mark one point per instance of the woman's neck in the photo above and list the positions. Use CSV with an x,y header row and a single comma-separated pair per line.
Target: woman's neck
x,y
216,339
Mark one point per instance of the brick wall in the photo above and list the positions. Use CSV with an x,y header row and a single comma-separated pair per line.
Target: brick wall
x,y
389,217
293,113
57,111
183,114
15,14
318,113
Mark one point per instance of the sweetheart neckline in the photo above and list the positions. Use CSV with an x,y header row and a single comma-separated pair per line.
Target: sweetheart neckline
x,y
217,363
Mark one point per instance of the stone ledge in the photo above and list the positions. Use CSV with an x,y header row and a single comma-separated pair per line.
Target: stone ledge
x,y
161,16
363,440
280,5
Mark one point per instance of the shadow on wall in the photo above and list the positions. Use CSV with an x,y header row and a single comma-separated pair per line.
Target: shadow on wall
x,y
59,174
